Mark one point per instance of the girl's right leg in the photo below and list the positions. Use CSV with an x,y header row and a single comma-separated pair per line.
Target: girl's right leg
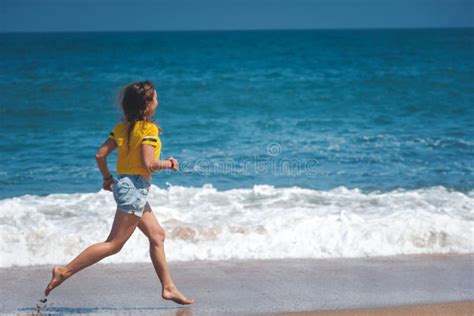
x,y
122,228
156,235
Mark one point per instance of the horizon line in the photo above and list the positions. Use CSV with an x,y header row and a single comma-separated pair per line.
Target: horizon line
x,y
248,30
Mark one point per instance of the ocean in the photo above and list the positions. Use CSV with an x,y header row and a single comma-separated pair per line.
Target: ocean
x,y
292,144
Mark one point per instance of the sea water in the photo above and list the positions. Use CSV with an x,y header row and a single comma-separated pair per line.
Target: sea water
x,y
302,144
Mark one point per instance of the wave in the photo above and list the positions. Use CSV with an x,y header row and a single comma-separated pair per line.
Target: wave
x,y
262,222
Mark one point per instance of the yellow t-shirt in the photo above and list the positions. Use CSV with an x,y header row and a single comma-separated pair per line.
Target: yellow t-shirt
x,y
144,132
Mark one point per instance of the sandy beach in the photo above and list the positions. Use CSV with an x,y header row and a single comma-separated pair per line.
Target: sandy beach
x,y
255,287
465,308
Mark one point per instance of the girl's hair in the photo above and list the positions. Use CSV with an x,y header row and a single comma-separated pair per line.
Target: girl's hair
x,y
135,99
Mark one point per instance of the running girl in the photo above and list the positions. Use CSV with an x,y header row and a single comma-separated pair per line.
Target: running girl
x,y
138,157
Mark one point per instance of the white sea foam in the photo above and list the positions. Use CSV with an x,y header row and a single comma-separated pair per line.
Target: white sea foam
x,y
259,223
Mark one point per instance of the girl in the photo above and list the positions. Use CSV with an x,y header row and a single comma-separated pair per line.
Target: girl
x,y
138,156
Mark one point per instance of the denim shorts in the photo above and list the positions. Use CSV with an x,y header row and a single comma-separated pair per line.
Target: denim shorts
x,y
130,193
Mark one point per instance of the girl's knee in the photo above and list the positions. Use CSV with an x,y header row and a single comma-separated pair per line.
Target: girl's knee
x,y
157,237
115,246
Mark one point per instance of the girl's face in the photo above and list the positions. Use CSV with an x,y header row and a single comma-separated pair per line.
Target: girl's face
x,y
154,104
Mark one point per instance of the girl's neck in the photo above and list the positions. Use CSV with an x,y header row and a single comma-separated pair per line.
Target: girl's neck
x,y
147,119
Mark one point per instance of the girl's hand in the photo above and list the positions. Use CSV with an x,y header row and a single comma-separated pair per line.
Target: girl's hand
x,y
107,184
175,163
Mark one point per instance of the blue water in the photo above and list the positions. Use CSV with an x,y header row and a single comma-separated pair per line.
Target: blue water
x,y
367,109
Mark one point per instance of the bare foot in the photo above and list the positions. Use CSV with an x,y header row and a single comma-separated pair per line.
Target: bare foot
x,y
59,274
176,296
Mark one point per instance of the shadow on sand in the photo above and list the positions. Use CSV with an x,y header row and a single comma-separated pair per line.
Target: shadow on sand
x,y
168,311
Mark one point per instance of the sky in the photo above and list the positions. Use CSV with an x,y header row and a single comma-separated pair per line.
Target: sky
x,y
148,15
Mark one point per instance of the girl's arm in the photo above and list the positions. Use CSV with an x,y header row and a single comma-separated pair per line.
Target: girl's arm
x,y
152,165
101,157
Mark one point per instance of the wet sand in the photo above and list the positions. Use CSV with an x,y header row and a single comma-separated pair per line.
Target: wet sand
x,y
253,287
465,308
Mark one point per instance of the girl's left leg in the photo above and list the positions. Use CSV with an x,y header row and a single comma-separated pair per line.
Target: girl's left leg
x,y
122,228
156,235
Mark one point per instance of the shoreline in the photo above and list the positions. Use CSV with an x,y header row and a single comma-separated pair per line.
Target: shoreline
x,y
267,286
